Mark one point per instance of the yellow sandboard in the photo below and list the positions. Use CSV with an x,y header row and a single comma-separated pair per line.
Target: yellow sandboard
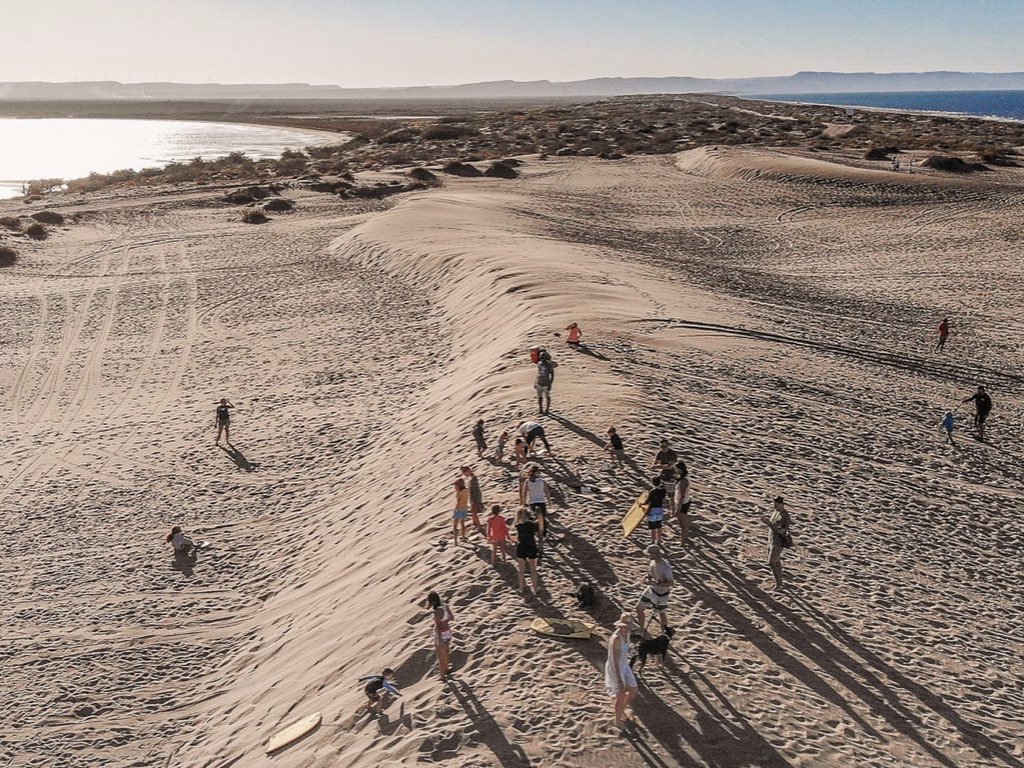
x,y
293,733
636,515
579,630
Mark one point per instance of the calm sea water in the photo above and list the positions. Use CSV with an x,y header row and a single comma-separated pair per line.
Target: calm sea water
x,y
1008,104
69,149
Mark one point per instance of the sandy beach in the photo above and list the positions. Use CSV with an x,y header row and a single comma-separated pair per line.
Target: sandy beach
x,y
769,311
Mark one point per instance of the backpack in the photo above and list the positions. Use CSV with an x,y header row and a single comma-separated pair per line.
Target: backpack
x,y
585,595
545,374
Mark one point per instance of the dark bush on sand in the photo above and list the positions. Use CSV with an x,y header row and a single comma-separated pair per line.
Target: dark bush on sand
x,y
37,231
998,156
278,205
12,223
7,256
254,217
239,197
401,136
880,153
455,168
448,132
501,171
49,217
422,174
951,164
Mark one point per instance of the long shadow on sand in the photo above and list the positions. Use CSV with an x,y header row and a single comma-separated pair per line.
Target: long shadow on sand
x,y
239,458
865,676
505,752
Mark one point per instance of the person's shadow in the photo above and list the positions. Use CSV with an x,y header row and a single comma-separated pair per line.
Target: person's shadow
x,y
239,458
186,563
584,349
506,753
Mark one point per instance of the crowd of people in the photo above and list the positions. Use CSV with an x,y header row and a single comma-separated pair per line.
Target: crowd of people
x,y
523,540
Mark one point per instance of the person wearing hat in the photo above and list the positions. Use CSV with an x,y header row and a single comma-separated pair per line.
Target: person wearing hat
x,y
618,676
655,594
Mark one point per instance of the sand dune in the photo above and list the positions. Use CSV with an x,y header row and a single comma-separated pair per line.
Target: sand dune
x,y
778,332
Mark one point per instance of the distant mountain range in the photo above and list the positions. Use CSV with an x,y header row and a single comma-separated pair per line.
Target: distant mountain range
x,y
801,83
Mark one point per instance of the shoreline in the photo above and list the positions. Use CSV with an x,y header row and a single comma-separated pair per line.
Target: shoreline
x,y
891,110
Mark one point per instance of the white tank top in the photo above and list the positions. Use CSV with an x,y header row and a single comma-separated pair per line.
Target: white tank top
x,y
535,491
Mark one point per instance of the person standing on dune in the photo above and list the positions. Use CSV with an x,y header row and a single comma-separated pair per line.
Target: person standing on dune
x,y
665,462
224,421
982,408
779,538
476,499
443,618
682,501
943,335
545,380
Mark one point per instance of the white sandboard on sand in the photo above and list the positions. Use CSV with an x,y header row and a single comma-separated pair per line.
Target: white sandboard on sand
x,y
293,733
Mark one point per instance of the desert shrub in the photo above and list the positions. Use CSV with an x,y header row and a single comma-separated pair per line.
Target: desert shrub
x,y
12,223
278,205
7,256
254,217
950,163
43,186
500,170
377,191
49,217
456,168
290,163
880,153
37,231
400,136
239,197
997,156
422,174
447,132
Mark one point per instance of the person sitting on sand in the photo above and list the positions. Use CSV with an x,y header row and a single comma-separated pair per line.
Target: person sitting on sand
x,y
461,511
614,446
443,618
527,551
779,538
533,432
948,424
574,335
618,675
503,438
478,438
476,498
376,686
497,534
224,421
182,544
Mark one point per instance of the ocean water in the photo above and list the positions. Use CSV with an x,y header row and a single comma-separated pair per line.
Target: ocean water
x,y
1005,104
72,148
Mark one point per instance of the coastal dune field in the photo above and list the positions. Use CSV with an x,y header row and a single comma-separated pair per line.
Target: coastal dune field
x,y
770,312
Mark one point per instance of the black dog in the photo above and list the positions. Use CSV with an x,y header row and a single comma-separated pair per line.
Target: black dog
x,y
655,646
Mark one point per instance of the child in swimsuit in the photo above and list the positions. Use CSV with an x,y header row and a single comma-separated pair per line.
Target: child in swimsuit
x,y
375,688
502,442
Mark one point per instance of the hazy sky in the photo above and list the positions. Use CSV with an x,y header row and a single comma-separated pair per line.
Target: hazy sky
x,y
413,42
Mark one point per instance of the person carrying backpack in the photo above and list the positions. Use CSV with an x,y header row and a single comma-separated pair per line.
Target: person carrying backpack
x,y
544,382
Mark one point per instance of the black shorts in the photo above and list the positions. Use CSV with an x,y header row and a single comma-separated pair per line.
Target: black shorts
x,y
685,507
654,524
980,417
526,552
539,508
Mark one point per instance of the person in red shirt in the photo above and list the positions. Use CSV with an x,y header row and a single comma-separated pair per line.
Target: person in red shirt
x,y
497,534
943,334
574,334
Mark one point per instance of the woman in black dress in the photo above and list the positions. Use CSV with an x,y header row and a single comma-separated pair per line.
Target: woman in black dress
x,y
526,549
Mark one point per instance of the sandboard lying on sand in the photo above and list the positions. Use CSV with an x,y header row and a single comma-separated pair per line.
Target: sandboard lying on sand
x,y
579,630
293,733
636,515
